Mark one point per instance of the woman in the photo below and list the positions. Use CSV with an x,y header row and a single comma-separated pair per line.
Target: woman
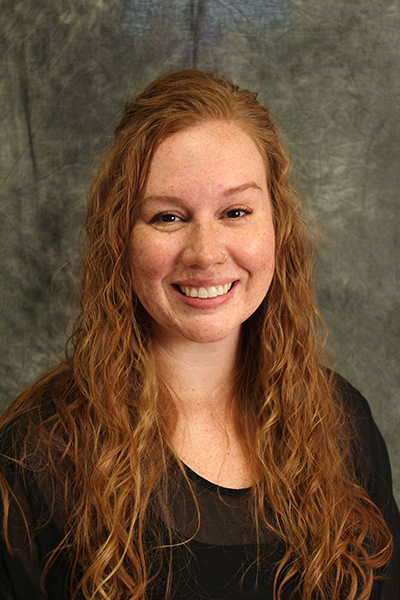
x,y
192,445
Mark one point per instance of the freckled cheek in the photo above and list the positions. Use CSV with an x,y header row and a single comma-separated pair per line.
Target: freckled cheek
x,y
260,256
147,260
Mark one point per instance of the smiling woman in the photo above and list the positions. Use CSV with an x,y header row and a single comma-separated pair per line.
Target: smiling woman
x,y
185,222
193,444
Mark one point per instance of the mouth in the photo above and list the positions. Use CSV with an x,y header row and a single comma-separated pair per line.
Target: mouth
x,y
202,292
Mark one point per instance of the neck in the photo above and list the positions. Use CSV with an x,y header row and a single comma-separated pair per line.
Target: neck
x,y
199,375
201,379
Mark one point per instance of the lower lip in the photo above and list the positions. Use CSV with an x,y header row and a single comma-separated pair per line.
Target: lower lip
x,y
206,302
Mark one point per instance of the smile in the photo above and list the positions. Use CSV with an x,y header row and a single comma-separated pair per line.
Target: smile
x,y
210,292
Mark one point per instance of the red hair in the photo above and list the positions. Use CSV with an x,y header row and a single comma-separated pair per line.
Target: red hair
x,y
108,440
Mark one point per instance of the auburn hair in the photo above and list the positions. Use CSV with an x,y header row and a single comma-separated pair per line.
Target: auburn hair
x,y
107,442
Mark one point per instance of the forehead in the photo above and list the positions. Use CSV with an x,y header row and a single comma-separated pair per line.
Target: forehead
x,y
209,152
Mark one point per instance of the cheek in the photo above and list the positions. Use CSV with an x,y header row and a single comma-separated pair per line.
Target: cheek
x,y
260,255
144,268
148,262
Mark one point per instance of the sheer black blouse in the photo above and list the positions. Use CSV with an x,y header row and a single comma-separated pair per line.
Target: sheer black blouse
x,y
220,562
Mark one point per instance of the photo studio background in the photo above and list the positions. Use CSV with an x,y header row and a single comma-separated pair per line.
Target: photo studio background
x,y
329,69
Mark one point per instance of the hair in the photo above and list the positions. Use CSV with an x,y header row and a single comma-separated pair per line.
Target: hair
x,y
107,442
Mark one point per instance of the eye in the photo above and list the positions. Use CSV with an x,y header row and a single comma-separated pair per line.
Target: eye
x,y
166,218
236,213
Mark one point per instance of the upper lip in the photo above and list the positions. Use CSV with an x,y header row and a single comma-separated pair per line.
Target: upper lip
x,y
203,283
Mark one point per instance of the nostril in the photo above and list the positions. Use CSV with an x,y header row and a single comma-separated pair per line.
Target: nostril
x,y
203,256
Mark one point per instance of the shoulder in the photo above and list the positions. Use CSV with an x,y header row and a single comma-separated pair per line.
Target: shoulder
x,y
354,403
374,473
368,445
25,433
37,404
369,448
22,418
358,413
31,517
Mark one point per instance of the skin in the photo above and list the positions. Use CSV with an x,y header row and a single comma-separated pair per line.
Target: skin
x,y
206,193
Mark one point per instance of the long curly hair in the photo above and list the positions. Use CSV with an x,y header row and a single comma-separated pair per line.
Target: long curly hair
x,y
108,440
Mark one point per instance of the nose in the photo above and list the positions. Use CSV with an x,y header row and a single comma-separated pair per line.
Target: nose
x,y
203,247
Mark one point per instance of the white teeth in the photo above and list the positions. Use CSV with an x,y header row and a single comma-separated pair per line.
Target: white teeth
x,y
211,292
202,293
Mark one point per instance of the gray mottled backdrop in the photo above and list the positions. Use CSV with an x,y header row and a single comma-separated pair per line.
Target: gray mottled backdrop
x,y
329,69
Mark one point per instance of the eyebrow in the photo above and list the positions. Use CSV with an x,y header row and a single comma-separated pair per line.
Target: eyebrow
x,y
226,194
241,188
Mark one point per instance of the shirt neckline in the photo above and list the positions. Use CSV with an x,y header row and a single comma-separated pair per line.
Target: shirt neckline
x,y
213,486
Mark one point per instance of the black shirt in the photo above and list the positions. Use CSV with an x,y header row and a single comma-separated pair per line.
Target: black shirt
x,y
221,561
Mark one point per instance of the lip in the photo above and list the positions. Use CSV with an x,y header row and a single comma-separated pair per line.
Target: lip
x,y
197,283
213,302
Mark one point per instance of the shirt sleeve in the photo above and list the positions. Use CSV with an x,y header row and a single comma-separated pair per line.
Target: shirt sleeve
x,y
375,475
32,533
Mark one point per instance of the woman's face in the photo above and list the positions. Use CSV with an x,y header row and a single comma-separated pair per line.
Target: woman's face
x,y
206,198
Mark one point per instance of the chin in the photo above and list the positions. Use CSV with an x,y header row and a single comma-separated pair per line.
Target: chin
x,y
211,335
